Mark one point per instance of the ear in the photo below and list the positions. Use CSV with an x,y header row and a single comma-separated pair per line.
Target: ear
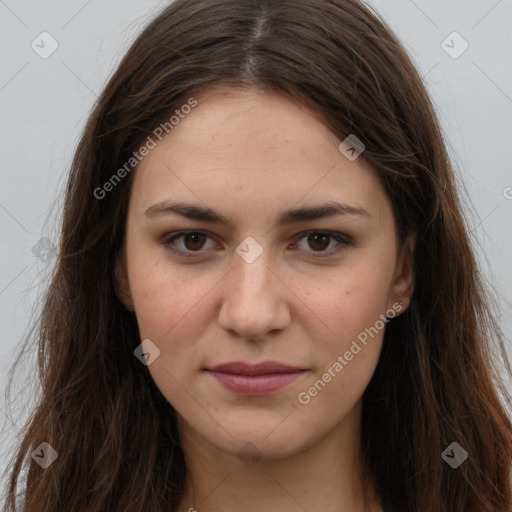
x,y
403,281
122,286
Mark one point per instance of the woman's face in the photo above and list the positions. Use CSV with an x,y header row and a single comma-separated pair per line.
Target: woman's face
x,y
252,172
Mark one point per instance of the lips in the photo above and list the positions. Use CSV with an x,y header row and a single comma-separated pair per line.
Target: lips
x,y
241,368
255,379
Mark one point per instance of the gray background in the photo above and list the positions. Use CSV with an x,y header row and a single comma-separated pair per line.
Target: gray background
x,y
45,103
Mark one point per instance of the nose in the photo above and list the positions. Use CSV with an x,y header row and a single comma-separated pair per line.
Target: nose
x,y
254,299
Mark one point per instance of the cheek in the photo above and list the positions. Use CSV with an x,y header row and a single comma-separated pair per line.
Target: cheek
x,y
353,300
353,304
346,358
355,335
171,311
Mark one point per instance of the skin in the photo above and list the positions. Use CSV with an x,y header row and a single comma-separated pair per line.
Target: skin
x,y
250,155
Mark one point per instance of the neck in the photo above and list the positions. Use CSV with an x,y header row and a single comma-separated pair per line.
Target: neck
x,y
325,476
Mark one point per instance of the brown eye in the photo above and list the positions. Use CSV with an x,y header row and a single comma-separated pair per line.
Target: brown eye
x,y
323,243
319,241
188,243
194,241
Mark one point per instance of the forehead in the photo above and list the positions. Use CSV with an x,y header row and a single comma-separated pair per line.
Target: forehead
x,y
252,146
227,125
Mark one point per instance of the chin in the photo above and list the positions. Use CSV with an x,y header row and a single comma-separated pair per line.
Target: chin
x,y
257,436
253,448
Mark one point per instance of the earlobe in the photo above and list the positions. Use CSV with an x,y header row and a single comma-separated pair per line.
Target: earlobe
x,y
122,286
404,279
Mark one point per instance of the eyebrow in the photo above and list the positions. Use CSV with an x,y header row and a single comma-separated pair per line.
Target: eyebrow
x,y
205,214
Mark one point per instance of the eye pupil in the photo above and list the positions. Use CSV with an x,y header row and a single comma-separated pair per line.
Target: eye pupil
x,y
194,237
319,238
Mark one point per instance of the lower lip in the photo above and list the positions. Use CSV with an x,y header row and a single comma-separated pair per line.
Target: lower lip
x,y
256,384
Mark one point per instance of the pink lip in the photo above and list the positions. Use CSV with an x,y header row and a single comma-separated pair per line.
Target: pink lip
x,y
259,379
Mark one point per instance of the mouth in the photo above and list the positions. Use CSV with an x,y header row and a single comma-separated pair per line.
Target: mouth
x,y
256,380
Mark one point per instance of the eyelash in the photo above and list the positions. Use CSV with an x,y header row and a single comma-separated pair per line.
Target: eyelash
x,y
344,241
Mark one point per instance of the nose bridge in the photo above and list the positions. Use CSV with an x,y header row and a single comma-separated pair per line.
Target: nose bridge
x,y
252,278
256,272
252,301
251,263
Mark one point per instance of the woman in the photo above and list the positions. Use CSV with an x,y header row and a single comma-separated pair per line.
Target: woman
x,y
265,297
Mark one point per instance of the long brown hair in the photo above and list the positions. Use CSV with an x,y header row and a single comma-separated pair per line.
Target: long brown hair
x,y
437,380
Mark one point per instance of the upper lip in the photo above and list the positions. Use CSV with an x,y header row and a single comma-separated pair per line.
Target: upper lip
x,y
241,368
